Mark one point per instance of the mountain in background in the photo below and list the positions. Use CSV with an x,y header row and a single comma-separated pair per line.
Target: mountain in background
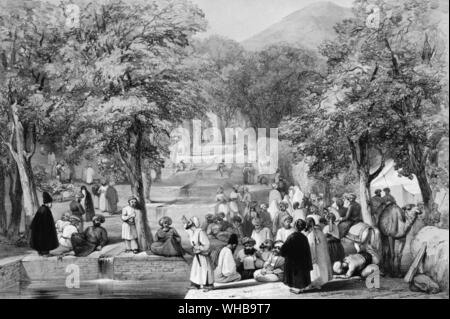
x,y
307,27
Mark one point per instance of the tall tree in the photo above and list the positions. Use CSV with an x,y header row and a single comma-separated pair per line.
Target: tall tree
x,y
130,59
392,69
272,83
30,35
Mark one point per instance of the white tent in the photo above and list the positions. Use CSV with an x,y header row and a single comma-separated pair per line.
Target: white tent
x,y
405,190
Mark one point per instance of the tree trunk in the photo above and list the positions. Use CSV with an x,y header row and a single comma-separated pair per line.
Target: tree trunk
x,y
22,157
418,165
15,195
361,160
147,181
327,194
364,193
137,188
3,225
158,177
132,164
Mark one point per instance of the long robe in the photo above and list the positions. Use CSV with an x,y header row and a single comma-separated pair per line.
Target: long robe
x,y
112,198
298,265
43,230
221,204
322,269
201,271
233,205
85,243
90,175
274,200
167,243
226,267
88,206
102,198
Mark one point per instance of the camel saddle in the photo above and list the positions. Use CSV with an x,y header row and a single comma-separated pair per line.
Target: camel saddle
x,y
356,231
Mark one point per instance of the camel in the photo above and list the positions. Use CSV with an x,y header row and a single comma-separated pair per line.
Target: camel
x,y
394,224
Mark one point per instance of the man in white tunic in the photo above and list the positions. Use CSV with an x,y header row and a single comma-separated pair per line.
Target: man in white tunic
x,y
226,266
65,243
129,231
89,174
274,200
201,271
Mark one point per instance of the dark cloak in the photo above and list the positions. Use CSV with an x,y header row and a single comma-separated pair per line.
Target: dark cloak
x,y
112,199
89,206
167,243
298,264
43,230
85,243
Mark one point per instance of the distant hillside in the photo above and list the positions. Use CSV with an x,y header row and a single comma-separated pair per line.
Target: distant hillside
x,y
307,27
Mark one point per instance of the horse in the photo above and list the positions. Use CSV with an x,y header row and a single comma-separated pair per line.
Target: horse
x,y
394,224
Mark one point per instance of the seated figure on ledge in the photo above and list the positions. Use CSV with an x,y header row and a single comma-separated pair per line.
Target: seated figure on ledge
x,y
167,242
94,238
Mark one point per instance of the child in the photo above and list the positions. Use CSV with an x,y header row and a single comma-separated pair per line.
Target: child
x,y
283,233
247,260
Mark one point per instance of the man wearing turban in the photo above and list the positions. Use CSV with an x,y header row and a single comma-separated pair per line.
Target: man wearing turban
x,y
201,271
94,238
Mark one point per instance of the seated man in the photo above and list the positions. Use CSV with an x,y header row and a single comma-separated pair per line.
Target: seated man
x,y
65,243
273,268
226,266
60,224
206,226
168,241
247,259
94,238
354,264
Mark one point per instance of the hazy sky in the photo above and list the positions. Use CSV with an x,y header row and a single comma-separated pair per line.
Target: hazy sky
x,y
241,19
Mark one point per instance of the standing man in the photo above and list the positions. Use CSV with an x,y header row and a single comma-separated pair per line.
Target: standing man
x,y
375,202
226,266
298,262
274,200
221,168
112,198
77,209
90,175
388,198
51,161
201,271
43,230
129,231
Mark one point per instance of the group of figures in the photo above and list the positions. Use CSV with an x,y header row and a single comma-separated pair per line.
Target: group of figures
x,y
67,235
299,243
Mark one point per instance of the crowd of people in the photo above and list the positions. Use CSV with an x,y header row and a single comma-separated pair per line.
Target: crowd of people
x,y
292,238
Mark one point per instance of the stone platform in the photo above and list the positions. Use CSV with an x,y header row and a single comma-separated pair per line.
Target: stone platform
x,y
354,288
